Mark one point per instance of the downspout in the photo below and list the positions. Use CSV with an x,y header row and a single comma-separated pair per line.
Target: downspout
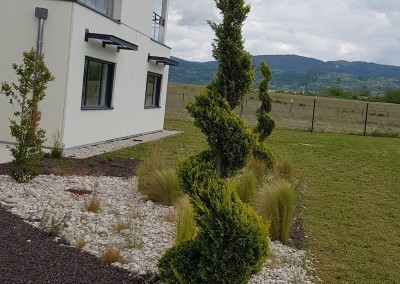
x,y
41,14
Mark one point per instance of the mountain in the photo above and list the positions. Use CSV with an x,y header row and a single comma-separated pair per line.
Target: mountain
x,y
298,73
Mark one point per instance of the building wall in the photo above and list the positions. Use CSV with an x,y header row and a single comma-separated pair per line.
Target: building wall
x,y
128,116
65,51
18,29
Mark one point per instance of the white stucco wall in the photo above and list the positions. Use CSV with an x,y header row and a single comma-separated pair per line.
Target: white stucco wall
x,y
128,116
65,51
18,30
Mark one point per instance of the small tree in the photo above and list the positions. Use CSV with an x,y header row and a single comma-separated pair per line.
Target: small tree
x,y
33,77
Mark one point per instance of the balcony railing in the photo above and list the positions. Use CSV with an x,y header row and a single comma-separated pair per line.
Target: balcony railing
x,y
158,26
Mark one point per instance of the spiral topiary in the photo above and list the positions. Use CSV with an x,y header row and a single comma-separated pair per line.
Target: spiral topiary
x,y
232,241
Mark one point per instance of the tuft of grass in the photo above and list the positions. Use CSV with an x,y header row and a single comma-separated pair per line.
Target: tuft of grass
x,y
134,241
118,227
57,148
161,186
111,255
185,223
258,168
152,163
80,243
284,168
276,202
52,223
246,186
93,204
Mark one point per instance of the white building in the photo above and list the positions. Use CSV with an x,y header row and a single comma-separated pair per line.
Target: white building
x,y
109,62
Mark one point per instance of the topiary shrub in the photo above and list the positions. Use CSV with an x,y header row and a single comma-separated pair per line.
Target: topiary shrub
x,y
276,203
232,241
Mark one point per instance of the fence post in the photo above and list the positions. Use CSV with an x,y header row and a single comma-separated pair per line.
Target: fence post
x,y
313,116
291,102
337,112
183,97
366,119
387,116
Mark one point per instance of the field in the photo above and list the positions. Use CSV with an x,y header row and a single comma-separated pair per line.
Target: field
x,y
351,204
296,112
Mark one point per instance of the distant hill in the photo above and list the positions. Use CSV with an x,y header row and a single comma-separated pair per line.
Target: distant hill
x,y
299,74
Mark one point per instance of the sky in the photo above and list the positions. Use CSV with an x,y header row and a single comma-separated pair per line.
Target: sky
x,y
352,30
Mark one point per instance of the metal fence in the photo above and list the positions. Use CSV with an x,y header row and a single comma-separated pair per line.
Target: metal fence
x,y
312,113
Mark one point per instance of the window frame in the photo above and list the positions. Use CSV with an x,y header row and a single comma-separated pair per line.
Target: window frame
x,y
111,16
109,84
156,90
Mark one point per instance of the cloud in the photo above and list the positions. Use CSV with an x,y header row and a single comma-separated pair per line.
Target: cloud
x,y
365,30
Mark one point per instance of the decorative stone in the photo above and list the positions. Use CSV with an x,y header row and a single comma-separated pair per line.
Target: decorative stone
x,y
30,192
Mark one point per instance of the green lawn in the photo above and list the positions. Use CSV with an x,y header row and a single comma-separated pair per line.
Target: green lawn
x,y
351,203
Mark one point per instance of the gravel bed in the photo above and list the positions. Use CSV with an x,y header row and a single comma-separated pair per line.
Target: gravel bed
x,y
149,226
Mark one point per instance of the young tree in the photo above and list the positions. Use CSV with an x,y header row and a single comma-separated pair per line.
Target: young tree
x,y
33,77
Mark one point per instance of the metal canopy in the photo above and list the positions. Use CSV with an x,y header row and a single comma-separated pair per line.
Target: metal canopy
x,y
164,60
111,40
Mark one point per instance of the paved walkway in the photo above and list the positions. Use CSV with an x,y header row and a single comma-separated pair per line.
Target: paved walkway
x,y
85,152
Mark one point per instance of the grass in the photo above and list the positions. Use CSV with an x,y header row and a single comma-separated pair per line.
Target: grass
x,y
276,203
111,255
257,167
246,186
162,186
185,223
119,226
351,204
284,168
174,149
93,204
352,196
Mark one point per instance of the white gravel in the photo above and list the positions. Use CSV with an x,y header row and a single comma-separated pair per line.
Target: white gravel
x,y
150,229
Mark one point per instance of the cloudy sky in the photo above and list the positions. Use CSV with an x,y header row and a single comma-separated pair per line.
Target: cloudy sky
x,y
365,30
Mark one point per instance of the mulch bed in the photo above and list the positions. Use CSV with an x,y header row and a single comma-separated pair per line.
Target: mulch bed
x,y
92,166
28,255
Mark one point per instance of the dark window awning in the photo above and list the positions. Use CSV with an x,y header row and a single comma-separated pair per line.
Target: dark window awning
x,y
111,40
164,60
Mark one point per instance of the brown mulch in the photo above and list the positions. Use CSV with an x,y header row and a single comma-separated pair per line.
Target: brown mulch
x,y
28,255
92,166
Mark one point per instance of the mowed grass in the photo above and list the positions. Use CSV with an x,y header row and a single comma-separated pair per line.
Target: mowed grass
x,y
351,204
352,208
174,149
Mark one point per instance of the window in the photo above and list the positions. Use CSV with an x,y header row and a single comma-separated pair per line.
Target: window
x,y
103,6
97,83
153,88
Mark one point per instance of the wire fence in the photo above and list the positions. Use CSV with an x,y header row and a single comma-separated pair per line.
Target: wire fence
x,y
312,113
